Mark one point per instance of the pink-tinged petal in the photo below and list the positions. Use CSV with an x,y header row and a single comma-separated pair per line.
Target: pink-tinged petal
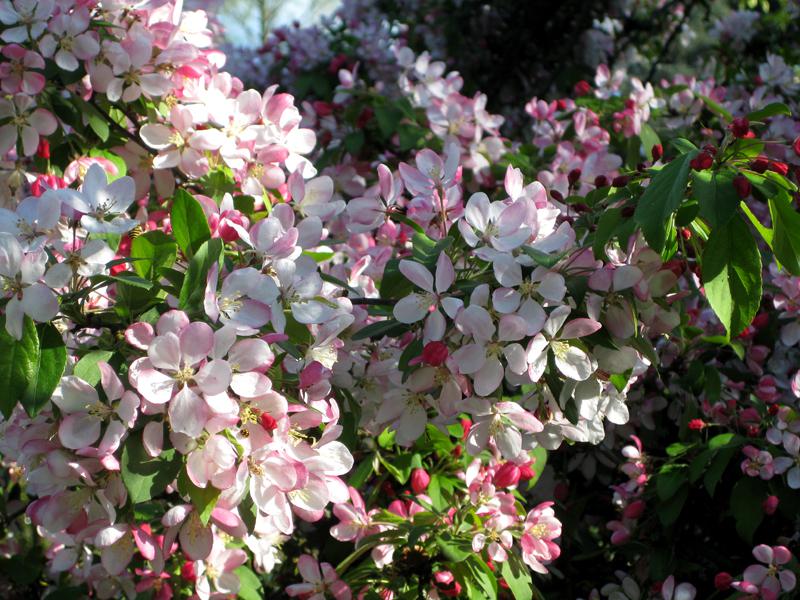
x,y
509,442
188,413
469,358
172,321
579,328
214,377
418,274
520,417
153,438
552,287
534,316
176,515
155,386
140,335
781,555
8,137
477,322
435,326
756,574
79,430
411,426
164,352
513,182
488,378
76,395
196,539
661,283
506,300
788,580
313,497
250,385
515,357
625,277
196,342
229,522
309,569
412,308
115,558
145,542
445,273
763,553
511,328
110,382
43,121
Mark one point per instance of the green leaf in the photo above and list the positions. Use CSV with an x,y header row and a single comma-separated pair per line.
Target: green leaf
x,y
746,498
387,328
786,233
155,250
725,440
661,199
203,499
194,283
669,510
669,480
399,466
518,577
250,587
453,549
360,475
607,224
717,196
542,258
354,141
732,275
19,360
717,468
770,110
248,511
649,138
189,223
49,367
539,456
393,283
87,369
717,108
143,475
683,145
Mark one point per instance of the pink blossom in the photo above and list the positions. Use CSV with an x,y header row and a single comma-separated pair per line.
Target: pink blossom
x,y
541,528
27,124
319,580
17,74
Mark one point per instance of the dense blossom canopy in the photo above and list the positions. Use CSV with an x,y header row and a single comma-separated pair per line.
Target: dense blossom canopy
x,y
355,332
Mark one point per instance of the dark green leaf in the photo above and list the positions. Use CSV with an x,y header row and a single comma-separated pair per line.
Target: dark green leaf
x,y
19,360
770,110
194,283
51,360
143,475
732,275
661,199
746,498
387,328
716,194
786,232
155,249
518,577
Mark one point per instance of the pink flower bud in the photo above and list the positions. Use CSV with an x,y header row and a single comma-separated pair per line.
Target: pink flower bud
x,y
435,353
770,505
446,584
419,480
507,475
634,510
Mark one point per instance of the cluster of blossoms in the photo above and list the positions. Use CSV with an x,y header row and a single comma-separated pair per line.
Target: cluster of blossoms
x,y
234,329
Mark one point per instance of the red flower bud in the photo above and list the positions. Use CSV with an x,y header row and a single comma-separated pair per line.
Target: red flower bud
x,y
657,151
419,480
43,150
620,181
696,424
561,104
796,145
507,475
742,185
760,320
601,181
779,167
457,451
773,409
710,149
582,88
187,571
466,425
770,505
723,581
435,353
573,176
760,164
740,127
526,473
702,161
267,421
557,196
686,233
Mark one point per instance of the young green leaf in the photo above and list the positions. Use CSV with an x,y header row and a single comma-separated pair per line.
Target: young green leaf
x,y
18,363
49,367
189,223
